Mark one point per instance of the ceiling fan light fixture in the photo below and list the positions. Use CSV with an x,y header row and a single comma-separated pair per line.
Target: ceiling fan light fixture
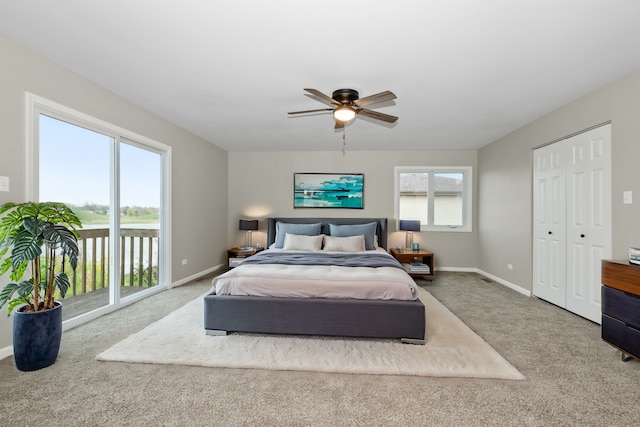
x,y
344,113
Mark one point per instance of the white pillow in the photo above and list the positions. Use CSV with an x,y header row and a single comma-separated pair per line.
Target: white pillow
x,y
367,230
282,228
344,244
300,242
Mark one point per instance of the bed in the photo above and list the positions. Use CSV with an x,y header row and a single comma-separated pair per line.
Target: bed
x,y
291,311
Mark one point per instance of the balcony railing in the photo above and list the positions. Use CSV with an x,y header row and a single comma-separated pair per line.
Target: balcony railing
x,y
139,259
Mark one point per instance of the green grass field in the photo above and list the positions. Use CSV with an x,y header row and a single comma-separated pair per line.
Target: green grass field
x,y
92,215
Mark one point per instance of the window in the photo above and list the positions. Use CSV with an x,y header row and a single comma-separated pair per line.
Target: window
x,y
440,197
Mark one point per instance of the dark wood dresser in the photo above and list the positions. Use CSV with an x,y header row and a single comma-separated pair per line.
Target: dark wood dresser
x,y
621,306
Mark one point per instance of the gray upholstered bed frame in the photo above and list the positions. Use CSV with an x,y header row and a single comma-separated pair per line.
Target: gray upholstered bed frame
x,y
404,320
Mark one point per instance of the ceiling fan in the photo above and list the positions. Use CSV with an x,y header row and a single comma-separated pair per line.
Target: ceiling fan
x,y
348,105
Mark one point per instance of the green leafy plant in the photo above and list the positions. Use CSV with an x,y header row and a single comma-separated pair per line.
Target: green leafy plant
x,y
35,238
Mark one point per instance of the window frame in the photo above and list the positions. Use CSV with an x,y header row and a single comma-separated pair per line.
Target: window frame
x,y
467,195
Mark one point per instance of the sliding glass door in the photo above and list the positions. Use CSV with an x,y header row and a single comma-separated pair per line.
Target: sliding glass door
x,y
116,185
140,171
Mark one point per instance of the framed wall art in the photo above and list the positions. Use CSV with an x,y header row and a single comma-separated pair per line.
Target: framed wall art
x,y
328,190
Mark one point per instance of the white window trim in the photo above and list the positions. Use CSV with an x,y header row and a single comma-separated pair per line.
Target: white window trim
x,y
36,105
467,200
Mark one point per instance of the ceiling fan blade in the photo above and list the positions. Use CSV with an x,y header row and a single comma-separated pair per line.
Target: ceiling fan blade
x,y
373,99
378,116
339,124
323,96
310,111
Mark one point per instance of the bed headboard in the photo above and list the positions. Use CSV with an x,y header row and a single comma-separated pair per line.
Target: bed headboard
x,y
381,228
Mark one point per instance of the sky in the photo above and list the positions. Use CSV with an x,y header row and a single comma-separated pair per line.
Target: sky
x,y
75,167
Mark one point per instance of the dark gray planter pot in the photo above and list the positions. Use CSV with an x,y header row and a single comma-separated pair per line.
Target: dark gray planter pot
x,y
36,337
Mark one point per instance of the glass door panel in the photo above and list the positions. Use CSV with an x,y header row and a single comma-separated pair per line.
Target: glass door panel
x,y
140,196
75,168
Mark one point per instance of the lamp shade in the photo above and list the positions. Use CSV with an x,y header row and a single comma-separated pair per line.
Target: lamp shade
x,y
248,224
409,225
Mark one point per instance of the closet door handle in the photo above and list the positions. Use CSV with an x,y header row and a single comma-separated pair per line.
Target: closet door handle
x,y
550,233
582,235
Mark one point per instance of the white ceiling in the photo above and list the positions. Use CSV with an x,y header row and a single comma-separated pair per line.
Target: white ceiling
x,y
466,72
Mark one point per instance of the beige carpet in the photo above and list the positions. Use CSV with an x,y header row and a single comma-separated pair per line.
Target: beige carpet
x,y
452,349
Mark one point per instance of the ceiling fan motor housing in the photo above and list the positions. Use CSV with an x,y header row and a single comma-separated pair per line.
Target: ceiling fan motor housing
x,y
345,95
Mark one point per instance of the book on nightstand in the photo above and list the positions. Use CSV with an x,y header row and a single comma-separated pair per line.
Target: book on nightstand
x,y
416,268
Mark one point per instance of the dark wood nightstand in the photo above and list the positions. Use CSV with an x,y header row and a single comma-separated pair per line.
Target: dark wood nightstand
x,y
423,258
237,255
621,306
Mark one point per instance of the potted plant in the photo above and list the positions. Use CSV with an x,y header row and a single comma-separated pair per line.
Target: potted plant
x,y
37,239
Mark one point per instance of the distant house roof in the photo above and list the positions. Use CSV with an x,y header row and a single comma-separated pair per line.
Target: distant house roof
x,y
417,183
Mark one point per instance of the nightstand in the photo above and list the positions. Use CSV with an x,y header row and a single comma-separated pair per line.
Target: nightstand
x,y
237,255
417,263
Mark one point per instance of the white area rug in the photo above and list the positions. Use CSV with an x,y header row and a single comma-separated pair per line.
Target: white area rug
x,y
452,349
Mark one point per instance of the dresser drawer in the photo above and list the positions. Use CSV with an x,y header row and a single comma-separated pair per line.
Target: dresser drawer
x,y
620,335
621,305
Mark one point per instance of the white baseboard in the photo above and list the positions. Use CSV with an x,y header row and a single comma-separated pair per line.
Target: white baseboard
x,y
457,269
489,276
509,285
6,352
196,276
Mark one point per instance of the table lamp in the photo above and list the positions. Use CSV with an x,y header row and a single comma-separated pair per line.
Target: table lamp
x,y
409,226
248,226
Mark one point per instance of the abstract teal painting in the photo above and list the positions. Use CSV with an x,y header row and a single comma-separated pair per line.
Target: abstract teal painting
x,y
328,190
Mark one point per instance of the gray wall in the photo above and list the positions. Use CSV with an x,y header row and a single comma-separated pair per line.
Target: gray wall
x,y
197,210
261,185
505,178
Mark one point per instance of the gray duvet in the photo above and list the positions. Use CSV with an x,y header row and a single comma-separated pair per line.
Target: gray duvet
x,y
348,259
297,274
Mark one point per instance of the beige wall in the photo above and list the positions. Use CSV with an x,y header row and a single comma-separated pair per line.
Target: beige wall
x,y
261,185
197,209
505,178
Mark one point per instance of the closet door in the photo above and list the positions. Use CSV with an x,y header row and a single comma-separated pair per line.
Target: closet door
x,y
588,218
549,227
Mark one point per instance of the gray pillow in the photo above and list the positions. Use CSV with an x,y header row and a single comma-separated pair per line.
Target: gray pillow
x,y
366,230
282,228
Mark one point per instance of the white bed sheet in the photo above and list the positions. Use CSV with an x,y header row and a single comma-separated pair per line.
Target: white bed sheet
x,y
317,281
